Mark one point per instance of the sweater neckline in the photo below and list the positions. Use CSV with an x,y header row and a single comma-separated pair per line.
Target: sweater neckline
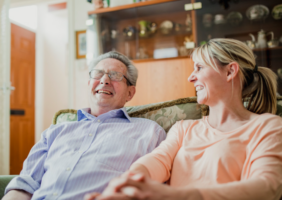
x,y
205,120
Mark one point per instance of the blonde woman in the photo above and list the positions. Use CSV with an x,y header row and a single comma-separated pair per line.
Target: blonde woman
x,y
234,153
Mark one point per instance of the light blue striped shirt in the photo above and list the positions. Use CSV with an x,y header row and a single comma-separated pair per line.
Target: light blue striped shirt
x,y
75,158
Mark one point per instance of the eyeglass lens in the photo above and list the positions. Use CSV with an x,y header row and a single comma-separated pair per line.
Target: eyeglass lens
x,y
113,75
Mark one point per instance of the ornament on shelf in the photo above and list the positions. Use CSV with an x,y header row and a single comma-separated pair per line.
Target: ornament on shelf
x,y
98,4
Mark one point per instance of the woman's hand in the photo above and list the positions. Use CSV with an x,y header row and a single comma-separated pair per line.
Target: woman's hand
x,y
139,187
130,186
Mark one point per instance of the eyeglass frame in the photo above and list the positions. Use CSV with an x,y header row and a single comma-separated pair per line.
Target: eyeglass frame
x,y
130,84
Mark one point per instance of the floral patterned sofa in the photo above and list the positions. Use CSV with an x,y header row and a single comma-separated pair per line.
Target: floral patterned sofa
x,y
164,113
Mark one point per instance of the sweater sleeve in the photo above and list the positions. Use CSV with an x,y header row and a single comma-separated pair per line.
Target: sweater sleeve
x,y
262,172
159,161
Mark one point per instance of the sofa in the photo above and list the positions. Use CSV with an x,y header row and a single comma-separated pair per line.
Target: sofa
x,y
164,113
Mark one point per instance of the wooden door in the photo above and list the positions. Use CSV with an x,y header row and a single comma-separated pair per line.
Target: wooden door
x,y
163,80
22,98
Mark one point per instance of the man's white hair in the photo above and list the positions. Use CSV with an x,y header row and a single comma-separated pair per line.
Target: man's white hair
x,y
132,72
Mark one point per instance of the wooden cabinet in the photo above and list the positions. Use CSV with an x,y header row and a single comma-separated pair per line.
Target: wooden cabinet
x,y
163,80
151,29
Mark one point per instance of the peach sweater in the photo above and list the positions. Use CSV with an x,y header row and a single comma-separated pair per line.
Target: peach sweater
x,y
245,163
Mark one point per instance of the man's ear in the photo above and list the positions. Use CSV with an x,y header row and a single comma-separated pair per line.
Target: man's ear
x,y
232,70
131,92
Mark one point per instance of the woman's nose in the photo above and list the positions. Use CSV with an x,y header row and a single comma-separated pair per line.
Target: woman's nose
x,y
191,78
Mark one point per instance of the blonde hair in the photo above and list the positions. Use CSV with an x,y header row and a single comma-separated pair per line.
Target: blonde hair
x,y
259,84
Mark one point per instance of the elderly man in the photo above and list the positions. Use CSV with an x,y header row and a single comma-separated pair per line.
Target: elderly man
x,y
75,158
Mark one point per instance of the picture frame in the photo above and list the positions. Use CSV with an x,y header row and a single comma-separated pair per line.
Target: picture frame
x,y
81,44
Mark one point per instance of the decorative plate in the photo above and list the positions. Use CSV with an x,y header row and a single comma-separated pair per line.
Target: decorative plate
x,y
257,12
234,18
277,12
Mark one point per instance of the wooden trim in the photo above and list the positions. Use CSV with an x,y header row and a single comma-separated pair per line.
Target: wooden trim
x,y
152,59
58,6
128,6
77,33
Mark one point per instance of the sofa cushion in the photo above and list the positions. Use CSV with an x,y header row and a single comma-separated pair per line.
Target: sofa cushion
x,y
167,113
67,115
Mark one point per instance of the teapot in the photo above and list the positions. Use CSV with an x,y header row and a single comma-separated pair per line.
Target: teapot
x,y
261,41
251,43
273,42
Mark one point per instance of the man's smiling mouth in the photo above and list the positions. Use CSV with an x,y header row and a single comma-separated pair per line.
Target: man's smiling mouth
x,y
103,92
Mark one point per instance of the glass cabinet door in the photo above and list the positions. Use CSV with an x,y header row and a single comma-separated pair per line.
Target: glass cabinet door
x,y
157,30
256,22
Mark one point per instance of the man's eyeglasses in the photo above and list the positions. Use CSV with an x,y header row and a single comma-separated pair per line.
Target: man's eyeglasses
x,y
113,75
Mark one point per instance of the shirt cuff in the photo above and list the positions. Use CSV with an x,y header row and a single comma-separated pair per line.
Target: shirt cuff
x,y
25,183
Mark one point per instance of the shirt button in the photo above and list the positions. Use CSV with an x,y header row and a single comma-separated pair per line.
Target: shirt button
x,y
68,169
90,134
98,120
54,194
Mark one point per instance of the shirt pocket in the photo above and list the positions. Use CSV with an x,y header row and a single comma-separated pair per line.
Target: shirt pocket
x,y
119,151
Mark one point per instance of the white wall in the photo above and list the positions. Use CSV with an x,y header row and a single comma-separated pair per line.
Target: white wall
x,y
51,66
81,70
4,87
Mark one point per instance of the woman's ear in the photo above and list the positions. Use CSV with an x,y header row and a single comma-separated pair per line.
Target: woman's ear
x,y
232,70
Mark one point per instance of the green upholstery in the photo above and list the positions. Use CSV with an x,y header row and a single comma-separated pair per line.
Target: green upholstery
x,y
164,113
4,180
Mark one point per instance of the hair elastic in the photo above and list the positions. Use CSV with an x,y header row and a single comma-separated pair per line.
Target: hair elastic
x,y
255,69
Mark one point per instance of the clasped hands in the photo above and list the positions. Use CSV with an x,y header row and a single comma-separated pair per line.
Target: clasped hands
x,y
136,186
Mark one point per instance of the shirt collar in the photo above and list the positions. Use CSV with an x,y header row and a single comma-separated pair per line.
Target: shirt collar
x,y
85,114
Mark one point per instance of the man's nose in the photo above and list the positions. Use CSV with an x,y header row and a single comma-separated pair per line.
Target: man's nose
x,y
105,79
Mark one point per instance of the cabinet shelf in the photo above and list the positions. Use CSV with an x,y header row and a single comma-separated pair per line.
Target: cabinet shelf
x,y
128,6
159,59
141,9
267,49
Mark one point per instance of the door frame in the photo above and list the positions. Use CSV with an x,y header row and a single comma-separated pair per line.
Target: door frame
x,y
5,87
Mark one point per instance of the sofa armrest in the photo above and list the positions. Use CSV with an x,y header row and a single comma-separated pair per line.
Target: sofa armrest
x,y
4,180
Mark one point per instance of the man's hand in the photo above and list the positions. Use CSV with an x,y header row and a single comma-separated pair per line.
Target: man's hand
x,y
91,196
140,187
17,195
114,186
